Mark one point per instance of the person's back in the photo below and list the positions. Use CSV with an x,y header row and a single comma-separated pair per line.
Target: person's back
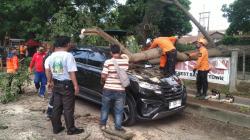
x,y
113,89
12,62
164,43
113,82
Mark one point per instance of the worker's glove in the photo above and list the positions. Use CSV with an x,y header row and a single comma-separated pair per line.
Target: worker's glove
x,y
194,71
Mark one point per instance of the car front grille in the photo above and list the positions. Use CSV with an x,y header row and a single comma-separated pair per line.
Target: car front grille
x,y
171,92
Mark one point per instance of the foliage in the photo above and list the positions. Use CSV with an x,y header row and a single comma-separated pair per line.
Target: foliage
x,y
11,84
164,19
45,19
26,18
183,47
235,40
40,18
238,14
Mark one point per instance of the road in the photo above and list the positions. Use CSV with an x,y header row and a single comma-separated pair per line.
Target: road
x,y
25,120
183,126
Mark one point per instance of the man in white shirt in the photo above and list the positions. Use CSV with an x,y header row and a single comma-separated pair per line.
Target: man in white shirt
x,y
60,69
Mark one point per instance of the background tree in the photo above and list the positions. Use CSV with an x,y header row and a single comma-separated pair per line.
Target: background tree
x,y
20,18
238,14
41,18
162,19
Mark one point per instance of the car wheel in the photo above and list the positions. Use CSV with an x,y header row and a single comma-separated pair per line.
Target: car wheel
x,y
129,115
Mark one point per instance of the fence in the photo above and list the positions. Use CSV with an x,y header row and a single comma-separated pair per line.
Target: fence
x,y
240,69
243,66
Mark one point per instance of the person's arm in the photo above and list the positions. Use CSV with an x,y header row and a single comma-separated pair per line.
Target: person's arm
x,y
104,74
154,44
48,74
32,63
71,65
49,78
198,62
103,78
75,83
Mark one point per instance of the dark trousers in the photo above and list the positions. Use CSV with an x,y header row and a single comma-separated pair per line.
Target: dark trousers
x,y
171,57
201,82
50,105
64,102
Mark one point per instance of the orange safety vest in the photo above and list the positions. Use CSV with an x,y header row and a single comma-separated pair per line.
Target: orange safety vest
x,y
202,63
22,49
166,44
12,64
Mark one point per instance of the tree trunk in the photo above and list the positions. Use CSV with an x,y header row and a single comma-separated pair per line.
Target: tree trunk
x,y
152,53
203,31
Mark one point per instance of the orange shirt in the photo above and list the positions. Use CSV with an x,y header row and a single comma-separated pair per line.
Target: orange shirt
x,y
22,49
12,64
202,63
164,43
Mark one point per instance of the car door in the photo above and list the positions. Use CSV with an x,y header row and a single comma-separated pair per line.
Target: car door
x,y
95,62
81,57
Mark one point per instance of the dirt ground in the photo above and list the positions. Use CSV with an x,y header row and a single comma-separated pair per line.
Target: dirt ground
x,y
25,120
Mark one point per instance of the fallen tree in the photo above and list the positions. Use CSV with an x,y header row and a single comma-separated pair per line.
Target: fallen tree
x,y
153,54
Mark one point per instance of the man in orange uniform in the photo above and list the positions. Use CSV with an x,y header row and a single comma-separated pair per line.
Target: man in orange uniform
x,y
22,50
169,53
12,61
202,65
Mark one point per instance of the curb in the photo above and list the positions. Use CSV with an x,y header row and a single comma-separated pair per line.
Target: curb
x,y
239,101
226,116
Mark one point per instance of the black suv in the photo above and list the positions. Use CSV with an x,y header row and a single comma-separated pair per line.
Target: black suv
x,y
149,96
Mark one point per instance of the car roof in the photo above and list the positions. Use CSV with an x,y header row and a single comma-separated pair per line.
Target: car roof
x,y
100,49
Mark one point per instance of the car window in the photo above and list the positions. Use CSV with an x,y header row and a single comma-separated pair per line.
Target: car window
x,y
96,59
80,56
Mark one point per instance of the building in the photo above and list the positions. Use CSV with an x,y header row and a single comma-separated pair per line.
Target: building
x,y
215,35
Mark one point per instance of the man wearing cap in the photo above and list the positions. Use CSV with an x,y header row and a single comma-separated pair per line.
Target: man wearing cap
x,y
40,79
169,53
202,65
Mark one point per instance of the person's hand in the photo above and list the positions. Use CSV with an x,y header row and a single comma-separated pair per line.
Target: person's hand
x,y
76,89
50,85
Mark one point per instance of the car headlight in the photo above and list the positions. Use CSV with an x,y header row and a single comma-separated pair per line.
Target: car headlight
x,y
155,88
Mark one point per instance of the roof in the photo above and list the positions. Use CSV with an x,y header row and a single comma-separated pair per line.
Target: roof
x,y
190,39
16,40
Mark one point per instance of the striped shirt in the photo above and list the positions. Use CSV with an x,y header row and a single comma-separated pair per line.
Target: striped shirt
x,y
113,82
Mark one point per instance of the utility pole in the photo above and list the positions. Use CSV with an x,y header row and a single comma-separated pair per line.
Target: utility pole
x,y
204,20
185,11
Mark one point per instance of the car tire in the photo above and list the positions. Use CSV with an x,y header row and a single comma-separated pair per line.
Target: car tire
x,y
129,116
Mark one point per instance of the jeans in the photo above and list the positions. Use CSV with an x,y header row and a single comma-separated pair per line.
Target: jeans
x,y
40,82
119,99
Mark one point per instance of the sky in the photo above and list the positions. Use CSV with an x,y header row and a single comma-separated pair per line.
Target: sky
x,y
217,22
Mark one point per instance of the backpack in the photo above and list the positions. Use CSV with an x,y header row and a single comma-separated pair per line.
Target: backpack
x,y
123,76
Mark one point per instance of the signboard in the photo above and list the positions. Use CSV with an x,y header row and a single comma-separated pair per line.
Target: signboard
x,y
219,72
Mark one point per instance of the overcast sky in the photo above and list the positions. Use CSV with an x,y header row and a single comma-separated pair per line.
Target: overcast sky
x,y
217,22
